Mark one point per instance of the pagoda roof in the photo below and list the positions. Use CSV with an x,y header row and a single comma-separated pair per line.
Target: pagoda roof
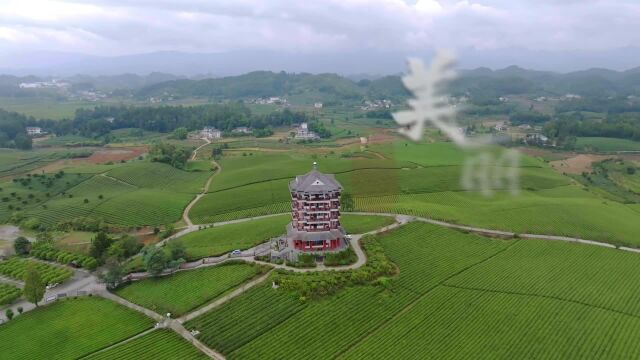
x,y
315,181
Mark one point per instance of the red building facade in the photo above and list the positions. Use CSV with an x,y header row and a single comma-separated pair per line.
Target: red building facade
x,y
315,213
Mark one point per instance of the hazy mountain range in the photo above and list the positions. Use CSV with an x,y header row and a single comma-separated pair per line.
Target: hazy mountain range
x,y
371,63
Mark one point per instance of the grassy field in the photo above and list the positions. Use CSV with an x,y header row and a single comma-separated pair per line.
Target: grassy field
x,y
15,268
457,296
604,144
223,239
187,290
69,329
44,108
163,344
358,224
8,293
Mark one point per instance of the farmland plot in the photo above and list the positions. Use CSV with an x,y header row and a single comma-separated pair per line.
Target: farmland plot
x,y
223,239
15,268
163,344
187,290
69,329
8,294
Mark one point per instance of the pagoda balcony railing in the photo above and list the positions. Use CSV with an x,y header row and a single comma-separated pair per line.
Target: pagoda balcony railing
x,y
312,229
322,218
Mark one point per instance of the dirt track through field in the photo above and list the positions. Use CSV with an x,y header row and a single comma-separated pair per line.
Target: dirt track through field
x,y
185,212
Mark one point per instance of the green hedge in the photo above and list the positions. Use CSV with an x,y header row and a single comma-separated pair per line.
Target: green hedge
x,y
47,252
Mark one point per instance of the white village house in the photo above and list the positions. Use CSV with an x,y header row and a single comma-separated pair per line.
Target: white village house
x,y
210,133
303,133
34,130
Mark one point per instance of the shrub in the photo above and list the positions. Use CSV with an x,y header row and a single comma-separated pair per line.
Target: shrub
x,y
21,245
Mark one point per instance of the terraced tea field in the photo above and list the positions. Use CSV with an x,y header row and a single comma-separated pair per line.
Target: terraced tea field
x,y
69,329
567,211
261,167
187,290
138,193
359,224
245,318
8,294
223,239
153,175
15,268
161,344
33,192
457,296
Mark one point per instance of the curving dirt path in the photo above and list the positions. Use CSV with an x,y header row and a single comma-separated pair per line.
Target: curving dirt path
x,y
185,212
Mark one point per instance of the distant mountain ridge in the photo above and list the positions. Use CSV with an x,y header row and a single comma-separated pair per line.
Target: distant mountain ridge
x,y
348,62
328,87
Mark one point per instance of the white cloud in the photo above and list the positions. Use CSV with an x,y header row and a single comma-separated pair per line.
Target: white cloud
x,y
112,27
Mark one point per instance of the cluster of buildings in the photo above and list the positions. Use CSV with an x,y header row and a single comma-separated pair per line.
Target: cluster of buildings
x,y
376,104
270,100
209,132
34,130
315,218
564,97
52,84
89,95
303,133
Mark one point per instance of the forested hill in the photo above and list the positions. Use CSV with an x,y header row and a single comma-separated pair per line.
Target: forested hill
x,y
481,82
259,84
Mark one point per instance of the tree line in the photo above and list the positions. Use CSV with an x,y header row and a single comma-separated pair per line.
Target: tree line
x,y
99,121
623,126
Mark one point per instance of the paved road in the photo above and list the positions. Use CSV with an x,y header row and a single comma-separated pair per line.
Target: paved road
x,y
80,281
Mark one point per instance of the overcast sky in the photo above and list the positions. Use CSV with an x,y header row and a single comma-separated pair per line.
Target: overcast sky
x,y
117,27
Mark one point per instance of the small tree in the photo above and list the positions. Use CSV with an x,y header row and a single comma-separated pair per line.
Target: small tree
x,y
180,133
169,229
347,202
113,273
34,288
116,250
21,245
99,245
9,314
177,250
20,309
155,260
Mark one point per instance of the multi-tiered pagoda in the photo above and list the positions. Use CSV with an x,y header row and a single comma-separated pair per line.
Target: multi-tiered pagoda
x,y
315,210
